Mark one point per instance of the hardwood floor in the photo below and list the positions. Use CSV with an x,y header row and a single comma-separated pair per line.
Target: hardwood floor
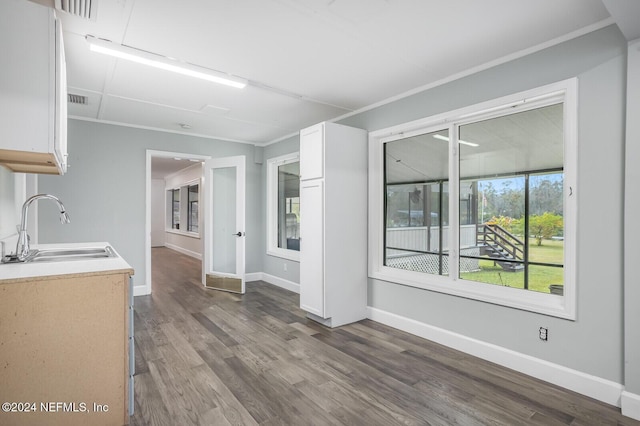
x,y
212,358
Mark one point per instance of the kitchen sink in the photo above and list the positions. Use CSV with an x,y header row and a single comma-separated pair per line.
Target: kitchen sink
x,y
65,254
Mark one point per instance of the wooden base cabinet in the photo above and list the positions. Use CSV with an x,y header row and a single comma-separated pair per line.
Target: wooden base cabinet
x,y
65,349
333,223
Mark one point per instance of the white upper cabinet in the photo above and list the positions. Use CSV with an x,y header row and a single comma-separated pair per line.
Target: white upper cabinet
x,y
33,92
312,152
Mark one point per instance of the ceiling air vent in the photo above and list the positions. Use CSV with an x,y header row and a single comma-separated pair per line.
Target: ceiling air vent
x,y
77,99
85,9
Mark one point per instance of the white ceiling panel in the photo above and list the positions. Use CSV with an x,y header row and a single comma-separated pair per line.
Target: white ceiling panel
x,y
85,69
250,104
138,113
88,110
306,60
163,166
111,21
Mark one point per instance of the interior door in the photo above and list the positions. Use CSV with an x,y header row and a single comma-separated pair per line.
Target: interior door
x,y
224,232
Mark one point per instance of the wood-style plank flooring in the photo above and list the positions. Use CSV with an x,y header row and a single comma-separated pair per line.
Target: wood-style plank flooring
x,y
212,358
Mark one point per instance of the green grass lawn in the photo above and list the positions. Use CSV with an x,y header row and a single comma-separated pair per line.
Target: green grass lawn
x,y
540,277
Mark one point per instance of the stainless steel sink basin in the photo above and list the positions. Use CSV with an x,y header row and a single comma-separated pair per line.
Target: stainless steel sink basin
x,y
65,254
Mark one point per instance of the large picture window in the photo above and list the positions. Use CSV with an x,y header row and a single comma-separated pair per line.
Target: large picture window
x,y
484,205
283,206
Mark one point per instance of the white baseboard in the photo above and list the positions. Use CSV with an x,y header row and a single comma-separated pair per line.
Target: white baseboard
x,y
253,276
595,387
630,405
184,251
140,290
272,279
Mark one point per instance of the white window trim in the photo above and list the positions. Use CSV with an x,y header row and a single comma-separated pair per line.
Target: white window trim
x,y
183,233
168,201
272,207
195,182
548,304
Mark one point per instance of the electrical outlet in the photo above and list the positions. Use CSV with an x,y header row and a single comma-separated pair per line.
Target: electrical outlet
x,y
543,333
284,266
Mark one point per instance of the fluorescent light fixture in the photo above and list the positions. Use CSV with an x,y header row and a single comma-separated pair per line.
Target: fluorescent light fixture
x,y
444,138
162,62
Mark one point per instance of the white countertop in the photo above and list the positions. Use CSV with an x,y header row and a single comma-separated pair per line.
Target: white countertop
x,y
11,271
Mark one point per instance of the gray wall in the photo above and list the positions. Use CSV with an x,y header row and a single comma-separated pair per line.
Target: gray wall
x,y
594,342
104,189
632,225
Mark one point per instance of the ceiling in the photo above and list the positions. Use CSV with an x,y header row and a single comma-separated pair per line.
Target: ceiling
x,y
306,60
506,145
161,167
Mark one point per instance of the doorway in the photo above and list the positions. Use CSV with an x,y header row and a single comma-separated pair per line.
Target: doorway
x,y
221,187
159,165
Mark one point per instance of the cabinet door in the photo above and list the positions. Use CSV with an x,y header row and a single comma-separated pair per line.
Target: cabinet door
x,y
312,291
312,152
60,140
27,65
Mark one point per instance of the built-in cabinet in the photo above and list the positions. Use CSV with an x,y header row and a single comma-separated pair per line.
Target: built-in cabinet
x,y
33,101
66,349
333,223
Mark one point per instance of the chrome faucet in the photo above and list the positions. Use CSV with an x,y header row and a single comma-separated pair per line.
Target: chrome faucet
x,y
22,248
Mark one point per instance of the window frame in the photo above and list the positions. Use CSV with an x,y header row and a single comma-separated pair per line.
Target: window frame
x,y
175,226
190,203
561,306
183,191
272,207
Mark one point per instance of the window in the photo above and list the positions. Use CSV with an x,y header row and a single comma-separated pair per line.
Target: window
x,y
175,208
283,206
182,214
192,211
417,194
482,206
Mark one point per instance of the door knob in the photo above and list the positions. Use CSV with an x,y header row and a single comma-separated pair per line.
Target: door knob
x,y
238,234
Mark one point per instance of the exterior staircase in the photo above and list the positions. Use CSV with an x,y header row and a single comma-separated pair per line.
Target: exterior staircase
x,y
503,247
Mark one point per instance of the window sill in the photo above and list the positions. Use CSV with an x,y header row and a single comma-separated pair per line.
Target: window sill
x,y
284,254
183,233
542,303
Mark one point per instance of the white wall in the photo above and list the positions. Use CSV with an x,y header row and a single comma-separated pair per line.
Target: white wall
x,y
9,217
15,188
